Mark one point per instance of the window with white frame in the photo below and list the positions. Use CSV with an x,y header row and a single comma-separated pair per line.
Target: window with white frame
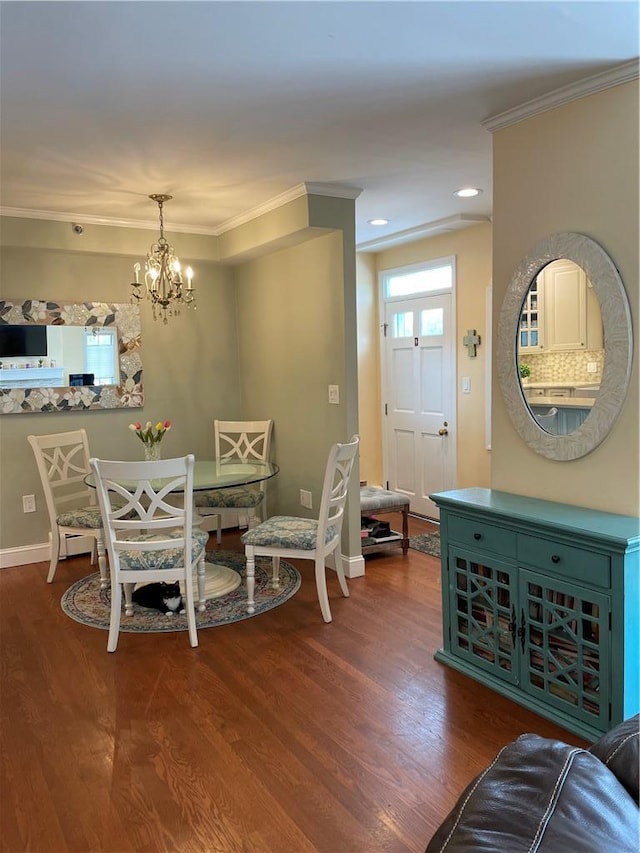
x,y
101,355
418,279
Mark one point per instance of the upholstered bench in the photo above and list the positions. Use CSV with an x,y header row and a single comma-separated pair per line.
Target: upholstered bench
x,y
374,499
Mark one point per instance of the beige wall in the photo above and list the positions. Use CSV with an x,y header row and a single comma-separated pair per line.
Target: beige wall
x,y
472,250
369,371
296,337
574,168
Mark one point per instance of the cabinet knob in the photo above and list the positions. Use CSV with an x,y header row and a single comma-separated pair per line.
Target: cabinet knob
x,y
477,536
555,558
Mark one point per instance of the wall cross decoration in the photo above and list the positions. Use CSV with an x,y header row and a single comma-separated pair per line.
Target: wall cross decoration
x,y
471,340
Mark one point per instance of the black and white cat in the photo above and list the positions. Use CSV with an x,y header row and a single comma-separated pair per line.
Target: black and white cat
x,y
164,597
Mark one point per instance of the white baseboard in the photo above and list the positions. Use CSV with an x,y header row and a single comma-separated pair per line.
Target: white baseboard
x,y
353,566
25,554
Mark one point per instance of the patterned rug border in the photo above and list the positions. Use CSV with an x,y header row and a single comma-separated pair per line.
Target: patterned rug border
x,y
427,543
86,603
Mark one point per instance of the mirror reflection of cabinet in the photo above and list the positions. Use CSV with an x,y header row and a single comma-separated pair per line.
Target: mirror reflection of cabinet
x,y
560,312
572,314
531,334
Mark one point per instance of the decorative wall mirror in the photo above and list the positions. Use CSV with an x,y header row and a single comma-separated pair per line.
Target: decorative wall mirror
x,y
565,346
51,373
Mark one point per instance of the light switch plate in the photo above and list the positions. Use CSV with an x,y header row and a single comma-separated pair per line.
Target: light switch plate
x,y
466,385
334,394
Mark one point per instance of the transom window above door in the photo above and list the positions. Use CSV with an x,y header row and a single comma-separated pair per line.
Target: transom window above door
x,y
434,276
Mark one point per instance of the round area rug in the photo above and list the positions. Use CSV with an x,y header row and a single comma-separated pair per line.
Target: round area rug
x,y
85,602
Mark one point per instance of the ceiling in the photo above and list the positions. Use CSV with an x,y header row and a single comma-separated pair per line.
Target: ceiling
x,y
227,105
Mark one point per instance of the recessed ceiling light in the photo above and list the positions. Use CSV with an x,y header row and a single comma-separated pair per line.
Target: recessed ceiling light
x,y
378,222
467,192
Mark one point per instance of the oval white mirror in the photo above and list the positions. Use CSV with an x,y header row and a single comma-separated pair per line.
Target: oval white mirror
x,y
529,334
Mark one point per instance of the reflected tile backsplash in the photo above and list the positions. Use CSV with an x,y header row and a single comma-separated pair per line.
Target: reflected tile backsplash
x,y
565,367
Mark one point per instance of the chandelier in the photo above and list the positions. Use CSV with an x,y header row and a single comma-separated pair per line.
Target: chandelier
x,y
163,284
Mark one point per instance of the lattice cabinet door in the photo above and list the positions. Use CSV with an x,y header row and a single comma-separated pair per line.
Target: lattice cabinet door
x,y
531,332
483,610
564,636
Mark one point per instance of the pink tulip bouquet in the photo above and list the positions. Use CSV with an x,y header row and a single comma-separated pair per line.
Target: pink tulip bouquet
x,y
150,434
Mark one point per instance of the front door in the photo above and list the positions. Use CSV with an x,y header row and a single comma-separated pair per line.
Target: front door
x,y
419,395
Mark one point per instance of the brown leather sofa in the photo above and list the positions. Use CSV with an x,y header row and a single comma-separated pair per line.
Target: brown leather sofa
x,y
544,796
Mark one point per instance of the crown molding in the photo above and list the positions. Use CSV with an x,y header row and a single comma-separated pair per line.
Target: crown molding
x,y
580,89
303,189
429,229
334,190
86,219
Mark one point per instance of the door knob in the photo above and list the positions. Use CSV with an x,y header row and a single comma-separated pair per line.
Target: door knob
x,y
443,431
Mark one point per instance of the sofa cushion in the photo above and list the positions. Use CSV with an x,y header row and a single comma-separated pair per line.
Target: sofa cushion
x,y
619,749
541,796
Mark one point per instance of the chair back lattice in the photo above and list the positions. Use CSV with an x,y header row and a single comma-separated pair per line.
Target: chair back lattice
x,y
243,439
336,488
63,464
146,506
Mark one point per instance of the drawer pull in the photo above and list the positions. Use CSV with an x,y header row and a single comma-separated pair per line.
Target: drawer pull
x,y
477,536
555,558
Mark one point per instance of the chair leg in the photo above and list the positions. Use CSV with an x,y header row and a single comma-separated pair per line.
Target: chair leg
x,y
275,577
251,578
114,623
191,610
253,520
337,558
202,602
321,586
102,561
54,540
128,598
219,528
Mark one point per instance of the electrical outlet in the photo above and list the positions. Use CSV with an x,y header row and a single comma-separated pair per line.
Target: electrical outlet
x,y
28,503
334,394
305,499
592,367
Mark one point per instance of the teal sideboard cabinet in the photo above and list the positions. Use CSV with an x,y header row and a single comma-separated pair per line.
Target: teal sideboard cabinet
x,y
541,603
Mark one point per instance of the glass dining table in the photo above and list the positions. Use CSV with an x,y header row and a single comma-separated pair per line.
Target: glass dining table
x,y
219,580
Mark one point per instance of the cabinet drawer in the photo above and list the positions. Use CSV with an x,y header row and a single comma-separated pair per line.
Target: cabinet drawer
x,y
565,560
488,537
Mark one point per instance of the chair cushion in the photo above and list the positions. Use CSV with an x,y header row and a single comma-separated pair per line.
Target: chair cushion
x,y
372,498
239,497
87,516
286,531
166,559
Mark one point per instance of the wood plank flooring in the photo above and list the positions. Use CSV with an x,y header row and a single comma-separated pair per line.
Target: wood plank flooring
x,y
278,734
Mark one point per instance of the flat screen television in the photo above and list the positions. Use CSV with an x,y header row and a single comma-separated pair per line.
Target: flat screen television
x,y
22,341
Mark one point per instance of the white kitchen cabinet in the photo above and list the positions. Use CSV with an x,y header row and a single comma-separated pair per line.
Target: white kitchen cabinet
x,y
565,291
561,312
572,317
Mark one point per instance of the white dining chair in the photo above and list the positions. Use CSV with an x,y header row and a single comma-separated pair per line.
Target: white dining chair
x,y
306,538
242,440
147,510
63,463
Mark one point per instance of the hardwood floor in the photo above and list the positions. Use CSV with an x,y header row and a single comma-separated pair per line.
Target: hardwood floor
x,y
278,734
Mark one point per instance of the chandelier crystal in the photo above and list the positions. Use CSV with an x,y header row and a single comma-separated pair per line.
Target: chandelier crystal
x,y
163,284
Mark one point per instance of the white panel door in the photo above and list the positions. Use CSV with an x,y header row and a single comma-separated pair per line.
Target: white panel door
x,y
419,424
